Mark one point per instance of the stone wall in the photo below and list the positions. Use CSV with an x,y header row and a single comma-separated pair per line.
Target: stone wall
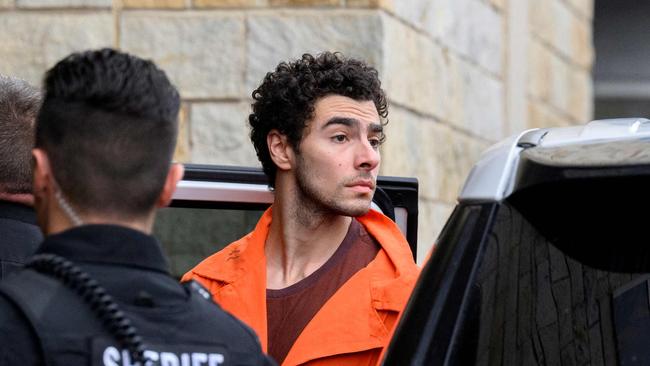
x,y
460,74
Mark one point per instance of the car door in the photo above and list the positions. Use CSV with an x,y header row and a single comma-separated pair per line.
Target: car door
x,y
215,205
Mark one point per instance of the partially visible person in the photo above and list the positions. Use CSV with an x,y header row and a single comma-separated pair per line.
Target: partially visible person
x,y
19,234
322,277
98,291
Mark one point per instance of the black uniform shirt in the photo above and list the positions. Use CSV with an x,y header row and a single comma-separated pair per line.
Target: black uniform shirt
x,y
127,263
19,236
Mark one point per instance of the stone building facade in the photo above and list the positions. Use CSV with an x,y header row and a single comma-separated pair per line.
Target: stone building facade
x,y
460,74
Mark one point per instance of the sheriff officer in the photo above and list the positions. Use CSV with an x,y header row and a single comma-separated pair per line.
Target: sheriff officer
x,y
98,291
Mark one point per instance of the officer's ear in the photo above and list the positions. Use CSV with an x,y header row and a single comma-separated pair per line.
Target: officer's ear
x,y
174,175
42,172
280,149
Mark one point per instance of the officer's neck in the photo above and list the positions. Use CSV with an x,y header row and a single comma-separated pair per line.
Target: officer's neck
x,y
59,220
21,198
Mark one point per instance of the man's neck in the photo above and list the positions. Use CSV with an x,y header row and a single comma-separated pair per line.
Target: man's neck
x,y
59,221
23,199
299,243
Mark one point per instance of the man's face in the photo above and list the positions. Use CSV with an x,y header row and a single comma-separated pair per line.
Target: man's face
x,y
338,159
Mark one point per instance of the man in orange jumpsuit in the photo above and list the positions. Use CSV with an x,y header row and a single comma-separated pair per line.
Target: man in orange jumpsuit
x,y
322,278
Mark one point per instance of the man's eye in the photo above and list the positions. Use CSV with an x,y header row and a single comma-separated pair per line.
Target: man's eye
x,y
375,142
340,138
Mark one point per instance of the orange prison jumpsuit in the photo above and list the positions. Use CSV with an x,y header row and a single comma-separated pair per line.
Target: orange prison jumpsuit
x,y
351,328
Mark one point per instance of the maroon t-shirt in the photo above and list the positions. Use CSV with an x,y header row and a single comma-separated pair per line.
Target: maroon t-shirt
x,y
288,310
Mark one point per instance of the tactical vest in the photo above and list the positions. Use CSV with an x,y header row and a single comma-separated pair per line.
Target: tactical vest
x,y
70,332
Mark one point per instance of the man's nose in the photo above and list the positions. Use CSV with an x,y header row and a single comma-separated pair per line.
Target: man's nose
x,y
367,156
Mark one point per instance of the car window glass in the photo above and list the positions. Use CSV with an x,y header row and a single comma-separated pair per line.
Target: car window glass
x,y
534,305
189,235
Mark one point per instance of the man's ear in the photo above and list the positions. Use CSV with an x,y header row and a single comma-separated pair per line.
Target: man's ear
x,y
174,175
280,149
42,171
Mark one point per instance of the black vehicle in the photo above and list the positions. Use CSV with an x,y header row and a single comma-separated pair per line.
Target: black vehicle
x,y
545,259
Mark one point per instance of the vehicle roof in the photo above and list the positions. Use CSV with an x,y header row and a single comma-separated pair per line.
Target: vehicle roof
x,y
597,145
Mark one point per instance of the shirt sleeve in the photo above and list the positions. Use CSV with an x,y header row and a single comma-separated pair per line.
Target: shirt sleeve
x,y
19,344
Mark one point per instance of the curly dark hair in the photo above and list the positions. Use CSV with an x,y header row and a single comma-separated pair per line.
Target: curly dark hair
x,y
285,100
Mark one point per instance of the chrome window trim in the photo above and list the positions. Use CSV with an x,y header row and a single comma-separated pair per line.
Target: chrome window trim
x,y
223,192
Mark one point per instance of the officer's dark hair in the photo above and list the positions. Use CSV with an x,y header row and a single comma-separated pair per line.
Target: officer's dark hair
x,y
108,125
19,103
285,100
